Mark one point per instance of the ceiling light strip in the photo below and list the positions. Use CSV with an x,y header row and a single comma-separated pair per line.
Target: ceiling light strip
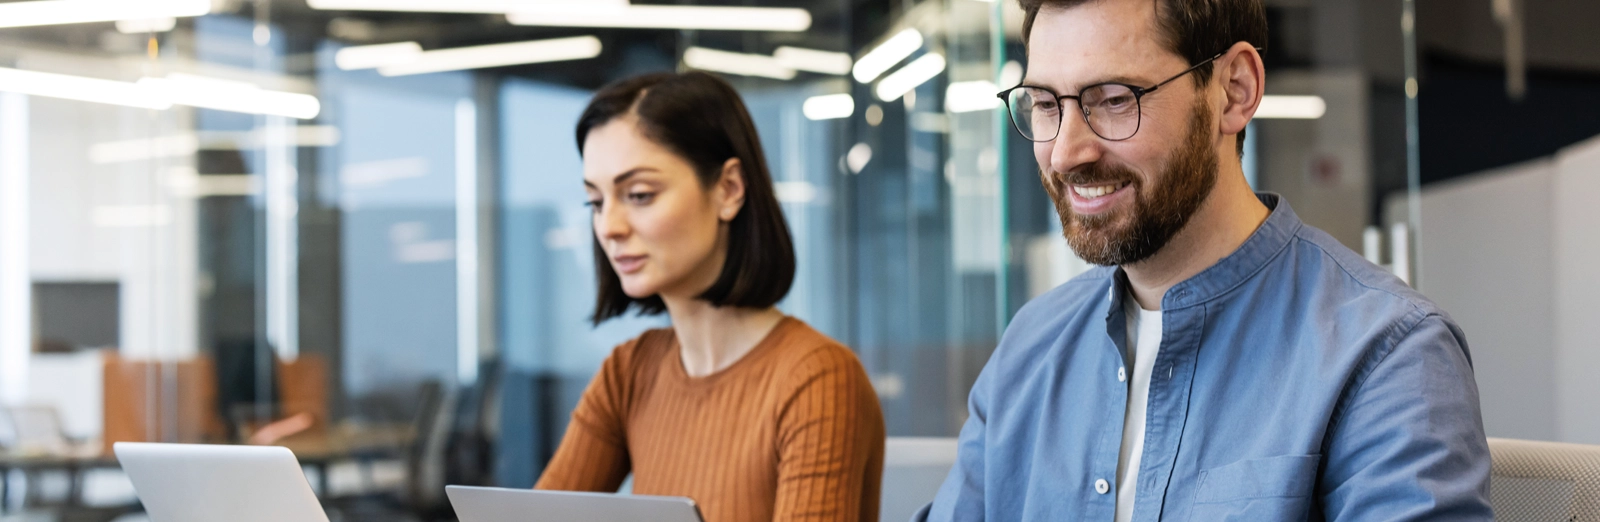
x,y
81,88
780,19
973,96
58,12
828,107
812,60
1279,106
452,6
375,56
497,55
736,63
885,55
916,73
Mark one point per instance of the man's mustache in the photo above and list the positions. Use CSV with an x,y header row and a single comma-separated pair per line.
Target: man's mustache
x,y
1094,174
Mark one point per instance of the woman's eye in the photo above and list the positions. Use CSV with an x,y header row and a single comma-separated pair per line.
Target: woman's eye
x,y
641,197
593,204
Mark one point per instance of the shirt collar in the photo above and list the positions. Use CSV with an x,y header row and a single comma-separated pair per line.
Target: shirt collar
x,y
1270,238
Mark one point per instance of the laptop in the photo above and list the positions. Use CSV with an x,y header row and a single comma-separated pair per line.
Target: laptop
x,y
206,483
475,504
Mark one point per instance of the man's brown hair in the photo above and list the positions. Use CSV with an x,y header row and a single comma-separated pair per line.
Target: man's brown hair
x,y
1194,29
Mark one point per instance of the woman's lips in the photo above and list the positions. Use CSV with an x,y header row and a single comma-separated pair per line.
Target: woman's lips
x,y
628,264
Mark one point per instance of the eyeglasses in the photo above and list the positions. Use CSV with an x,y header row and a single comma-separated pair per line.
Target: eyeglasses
x,y
1112,109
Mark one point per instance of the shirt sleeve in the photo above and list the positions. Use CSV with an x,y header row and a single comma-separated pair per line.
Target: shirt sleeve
x,y
830,443
593,455
961,497
1409,444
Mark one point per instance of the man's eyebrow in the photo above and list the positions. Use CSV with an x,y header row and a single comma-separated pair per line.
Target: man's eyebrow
x,y
1078,88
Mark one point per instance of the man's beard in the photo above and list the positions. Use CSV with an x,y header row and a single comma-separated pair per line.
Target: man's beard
x,y
1158,212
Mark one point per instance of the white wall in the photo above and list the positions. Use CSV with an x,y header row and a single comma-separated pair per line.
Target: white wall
x,y
1577,298
1487,255
1514,256
115,221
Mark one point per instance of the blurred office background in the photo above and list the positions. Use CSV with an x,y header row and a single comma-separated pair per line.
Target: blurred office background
x,y
355,227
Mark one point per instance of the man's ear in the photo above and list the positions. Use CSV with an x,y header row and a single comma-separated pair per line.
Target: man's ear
x,y
730,190
1244,81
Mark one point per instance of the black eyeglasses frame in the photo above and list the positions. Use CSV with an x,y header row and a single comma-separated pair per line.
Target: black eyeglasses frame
x,y
1138,99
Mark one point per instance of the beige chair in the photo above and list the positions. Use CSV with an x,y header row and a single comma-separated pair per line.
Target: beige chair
x,y
1544,481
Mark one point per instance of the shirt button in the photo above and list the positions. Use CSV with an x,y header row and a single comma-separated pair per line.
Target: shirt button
x,y
1122,374
1101,487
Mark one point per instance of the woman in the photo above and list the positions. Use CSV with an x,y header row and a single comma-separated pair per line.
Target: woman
x,y
751,413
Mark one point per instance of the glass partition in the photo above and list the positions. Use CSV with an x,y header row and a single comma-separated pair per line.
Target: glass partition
x,y
294,223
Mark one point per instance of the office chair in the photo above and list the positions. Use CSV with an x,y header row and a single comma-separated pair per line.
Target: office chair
x,y
1534,480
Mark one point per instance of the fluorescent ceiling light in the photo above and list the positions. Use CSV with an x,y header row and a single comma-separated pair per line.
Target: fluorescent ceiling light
x,y
450,6
232,96
143,149
784,19
736,63
375,56
1291,107
909,77
81,88
497,55
148,25
797,192
970,96
812,60
302,136
122,216
163,93
186,183
829,107
57,12
858,157
186,144
885,55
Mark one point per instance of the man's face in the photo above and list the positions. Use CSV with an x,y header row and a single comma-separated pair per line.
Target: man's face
x,y
1120,201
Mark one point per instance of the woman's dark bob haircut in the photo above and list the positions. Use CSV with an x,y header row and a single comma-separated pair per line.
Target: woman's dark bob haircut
x,y
701,118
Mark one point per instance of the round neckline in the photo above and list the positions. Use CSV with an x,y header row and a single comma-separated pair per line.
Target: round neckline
x,y
764,345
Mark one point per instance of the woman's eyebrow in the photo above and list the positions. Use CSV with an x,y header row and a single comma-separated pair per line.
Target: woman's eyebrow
x,y
623,177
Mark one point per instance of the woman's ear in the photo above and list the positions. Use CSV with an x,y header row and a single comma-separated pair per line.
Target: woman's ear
x,y
730,190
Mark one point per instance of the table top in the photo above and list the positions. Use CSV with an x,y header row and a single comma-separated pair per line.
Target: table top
x,y
314,447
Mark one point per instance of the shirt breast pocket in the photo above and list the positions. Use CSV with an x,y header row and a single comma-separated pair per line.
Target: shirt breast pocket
x,y
1273,488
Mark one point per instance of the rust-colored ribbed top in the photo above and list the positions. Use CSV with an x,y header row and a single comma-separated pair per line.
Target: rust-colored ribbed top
x,y
792,431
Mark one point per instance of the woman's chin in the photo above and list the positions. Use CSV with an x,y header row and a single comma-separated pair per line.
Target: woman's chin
x,y
639,290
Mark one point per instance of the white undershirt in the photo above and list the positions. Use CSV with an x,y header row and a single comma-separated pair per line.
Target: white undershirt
x,y
1144,337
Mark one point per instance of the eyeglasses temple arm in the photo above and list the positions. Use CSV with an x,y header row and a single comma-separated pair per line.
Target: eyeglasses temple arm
x,y
1189,70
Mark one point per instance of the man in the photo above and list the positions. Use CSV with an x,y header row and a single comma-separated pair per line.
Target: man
x,y
1228,362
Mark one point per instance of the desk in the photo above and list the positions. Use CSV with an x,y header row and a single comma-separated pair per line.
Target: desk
x,y
317,449
73,461
361,443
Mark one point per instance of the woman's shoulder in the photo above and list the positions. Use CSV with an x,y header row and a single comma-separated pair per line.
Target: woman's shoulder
x,y
809,351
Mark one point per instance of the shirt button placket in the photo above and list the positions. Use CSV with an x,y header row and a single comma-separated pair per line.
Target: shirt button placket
x,y
1101,486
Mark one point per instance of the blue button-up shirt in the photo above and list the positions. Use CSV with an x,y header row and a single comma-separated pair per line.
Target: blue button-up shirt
x,y
1295,381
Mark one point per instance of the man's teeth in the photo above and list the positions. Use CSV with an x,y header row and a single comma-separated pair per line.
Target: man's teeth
x,y
1096,191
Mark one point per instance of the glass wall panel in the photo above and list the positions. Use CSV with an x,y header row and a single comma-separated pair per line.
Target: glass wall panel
x,y
223,228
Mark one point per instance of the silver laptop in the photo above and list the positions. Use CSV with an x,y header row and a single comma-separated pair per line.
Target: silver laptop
x,y
203,483
473,504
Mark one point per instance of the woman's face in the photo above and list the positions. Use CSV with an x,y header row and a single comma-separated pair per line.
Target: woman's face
x,y
663,232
